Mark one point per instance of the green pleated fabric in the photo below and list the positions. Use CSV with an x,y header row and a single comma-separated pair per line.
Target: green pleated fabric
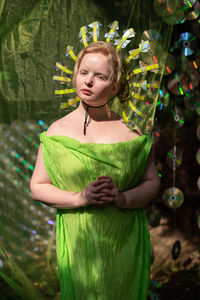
x,y
103,252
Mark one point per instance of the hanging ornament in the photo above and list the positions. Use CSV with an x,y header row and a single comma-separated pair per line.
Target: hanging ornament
x,y
187,42
174,156
179,84
198,132
170,64
194,12
153,215
192,100
159,167
163,98
178,117
156,131
196,28
171,11
152,35
189,63
176,249
173,197
198,218
198,156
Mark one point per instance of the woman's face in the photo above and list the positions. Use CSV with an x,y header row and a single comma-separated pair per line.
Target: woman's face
x,y
92,81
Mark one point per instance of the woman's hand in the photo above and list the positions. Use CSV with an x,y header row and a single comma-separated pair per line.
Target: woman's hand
x,y
98,192
119,197
101,191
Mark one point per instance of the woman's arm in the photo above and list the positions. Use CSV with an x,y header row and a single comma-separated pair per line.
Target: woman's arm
x,y
146,191
43,190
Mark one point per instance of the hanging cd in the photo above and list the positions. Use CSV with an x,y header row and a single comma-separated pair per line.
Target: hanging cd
x,y
194,78
152,255
155,54
198,156
176,250
156,131
192,100
193,13
187,43
178,117
163,98
159,167
178,84
171,11
196,28
198,132
198,110
174,158
170,64
151,35
198,182
160,7
198,219
153,215
188,64
173,197
175,17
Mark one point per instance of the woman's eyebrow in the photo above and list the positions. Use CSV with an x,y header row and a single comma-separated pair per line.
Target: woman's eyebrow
x,y
100,73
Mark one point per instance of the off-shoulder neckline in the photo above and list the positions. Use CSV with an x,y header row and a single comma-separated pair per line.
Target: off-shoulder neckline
x,y
87,143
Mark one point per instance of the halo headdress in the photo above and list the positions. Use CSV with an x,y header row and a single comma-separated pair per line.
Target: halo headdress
x,y
137,97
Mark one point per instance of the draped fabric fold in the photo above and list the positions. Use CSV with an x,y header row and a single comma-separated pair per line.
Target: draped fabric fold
x,y
102,252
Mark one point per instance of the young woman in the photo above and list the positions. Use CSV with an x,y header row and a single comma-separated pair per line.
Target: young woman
x,y
98,174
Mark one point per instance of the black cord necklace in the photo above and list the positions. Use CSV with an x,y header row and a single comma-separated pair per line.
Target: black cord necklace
x,y
86,113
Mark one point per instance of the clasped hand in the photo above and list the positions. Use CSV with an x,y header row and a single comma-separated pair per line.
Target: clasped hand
x,y
102,191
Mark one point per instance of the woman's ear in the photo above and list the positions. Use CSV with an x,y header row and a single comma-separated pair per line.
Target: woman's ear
x,y
115,88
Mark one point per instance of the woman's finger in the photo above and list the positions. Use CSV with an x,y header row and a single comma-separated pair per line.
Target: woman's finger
x,y
104,185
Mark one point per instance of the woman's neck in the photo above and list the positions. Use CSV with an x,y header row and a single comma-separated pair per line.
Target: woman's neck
x,y
96,114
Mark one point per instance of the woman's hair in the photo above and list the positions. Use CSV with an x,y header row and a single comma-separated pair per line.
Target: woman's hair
x,y
108,50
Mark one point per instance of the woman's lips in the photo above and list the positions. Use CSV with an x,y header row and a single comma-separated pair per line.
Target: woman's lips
x,y
87,92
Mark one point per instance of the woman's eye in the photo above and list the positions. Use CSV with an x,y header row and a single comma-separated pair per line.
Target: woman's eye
x,y
83,73
100,77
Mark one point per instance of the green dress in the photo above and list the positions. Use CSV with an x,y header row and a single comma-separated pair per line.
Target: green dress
x,y
103,252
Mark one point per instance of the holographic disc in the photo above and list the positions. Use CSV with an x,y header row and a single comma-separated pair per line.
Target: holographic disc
x,y
198,182
198,132
192,100
176,250
155,54
194,13
187,43
156,131
163,98
151,35
198,156
153,215
173,197
196,28
176,17
190,64
170,64
178,117
178,84
174,158
172,11
198,219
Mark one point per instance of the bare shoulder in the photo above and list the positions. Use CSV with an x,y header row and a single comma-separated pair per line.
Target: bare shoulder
x,y
132,132
60,126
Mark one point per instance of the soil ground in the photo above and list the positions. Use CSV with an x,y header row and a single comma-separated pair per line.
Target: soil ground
x,y
180,278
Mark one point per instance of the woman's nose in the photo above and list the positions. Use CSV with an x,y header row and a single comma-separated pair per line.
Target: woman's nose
x,y
89,81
